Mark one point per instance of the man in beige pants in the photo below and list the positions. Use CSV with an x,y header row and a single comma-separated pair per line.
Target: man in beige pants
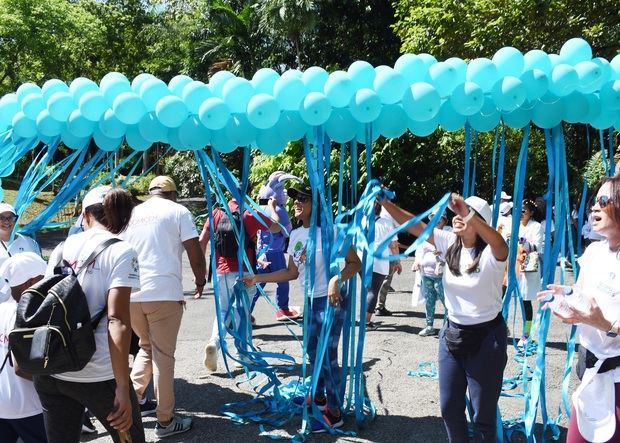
x,y
159,230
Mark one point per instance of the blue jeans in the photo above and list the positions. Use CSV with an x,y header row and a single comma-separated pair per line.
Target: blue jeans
x,y
29,429
482,374
433,290
277,263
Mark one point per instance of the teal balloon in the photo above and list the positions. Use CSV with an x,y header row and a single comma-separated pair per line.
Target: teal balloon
x,y
549,98
449,119
93,105
536,83
151,128
128,108
444,77
48,126
617,123
52,86
610,95
467,99
425,128
576,107
575,50
390,85
519,118
264,79
7,170
194,94
537,59
339,89
135,140
365,105
177,84
314,78
114,87
362,74
237,93
547,115
289,91
564,80
61,105
240,131
615,67
509,93
487,119
106,143
79,125
270,142
606,69
175,140
9,106
73,142
341,126
392,121
171,111
263,111
605,120
23,126
214,113
421,101
111,126
315,109
32,105
138,80
483,72
25,89
590,76
555,60
152,91
218,80
111,78
194,134
509,62
594,107
81,86
366,129
427,59
220,142
460,66
412,67
291,126
292,73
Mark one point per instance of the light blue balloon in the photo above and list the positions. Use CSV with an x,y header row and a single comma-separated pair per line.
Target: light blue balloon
x,y
291,126
220,142
362,74
575,50
339,89
444,77
509,61
61,105
537,59
605,120
509,93
111,78
138,80
23,126
547,115
9,106
315,109
467,99
263,111
449,119
236,93
81,86
51,86
576,107
488,117
175,140
564,80
218,80
193,134
264,79
460,66
80,126
32,105
390,85
73,142
114,87
128,108
590,76
214,113
289,91
106,143
25,89
341,126
594,107
392,121
421,101
610,95
270,142
372,129
177,84
519,118
536,83
424,129
615,67
111,126
151,128
292,73
48,126
171,111
93,105
483,72
239,130
314,79
412,67
135,140
7,170
427,59
606,69
152,91
194,94
365,105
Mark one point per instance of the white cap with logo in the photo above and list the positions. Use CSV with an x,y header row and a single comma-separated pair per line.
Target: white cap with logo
x,y
20,268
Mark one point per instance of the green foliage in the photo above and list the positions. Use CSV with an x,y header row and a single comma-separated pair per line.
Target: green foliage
x,y
594,170
140,186
183,169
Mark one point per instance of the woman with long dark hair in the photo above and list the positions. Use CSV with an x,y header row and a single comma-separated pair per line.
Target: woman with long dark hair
x,y
473,342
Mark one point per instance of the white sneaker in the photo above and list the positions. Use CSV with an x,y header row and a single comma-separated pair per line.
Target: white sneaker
x,y
176,426
211,357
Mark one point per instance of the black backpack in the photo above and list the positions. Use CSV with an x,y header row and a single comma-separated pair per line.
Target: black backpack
x,y
226,243
53,331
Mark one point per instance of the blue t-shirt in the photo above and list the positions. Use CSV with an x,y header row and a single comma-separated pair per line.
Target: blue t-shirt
x,y
268,242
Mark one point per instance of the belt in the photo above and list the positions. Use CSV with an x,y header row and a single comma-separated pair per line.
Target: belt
x,y
608,365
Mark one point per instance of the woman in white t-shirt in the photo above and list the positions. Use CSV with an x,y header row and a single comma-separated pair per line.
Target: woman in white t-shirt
x,y
596,402
327,288
473,343
103,385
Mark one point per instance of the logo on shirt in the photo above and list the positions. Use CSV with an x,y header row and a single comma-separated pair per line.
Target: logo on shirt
x,y
299,253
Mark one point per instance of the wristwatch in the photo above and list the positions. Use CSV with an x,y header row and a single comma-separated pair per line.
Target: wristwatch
x,y
469,215
612,330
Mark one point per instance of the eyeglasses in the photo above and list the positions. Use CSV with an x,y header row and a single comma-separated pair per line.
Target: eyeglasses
x,y
9,219
302,198
603,200
523,211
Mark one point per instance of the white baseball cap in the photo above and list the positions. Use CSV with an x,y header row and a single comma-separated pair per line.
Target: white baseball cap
x,y
20,268
5,207
95,196
505,196
505,207
480,206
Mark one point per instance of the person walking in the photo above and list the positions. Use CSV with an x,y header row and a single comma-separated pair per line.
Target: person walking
x,y
473,342
160,230
395,267
103,385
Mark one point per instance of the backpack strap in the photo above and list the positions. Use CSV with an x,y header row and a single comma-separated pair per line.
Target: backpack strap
x,y
6,358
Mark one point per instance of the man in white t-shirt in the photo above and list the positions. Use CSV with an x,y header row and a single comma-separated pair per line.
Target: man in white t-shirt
x,y
394,267
20,409
159,230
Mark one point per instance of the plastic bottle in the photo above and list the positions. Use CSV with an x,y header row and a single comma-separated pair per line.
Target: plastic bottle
x,y
576,298
557,303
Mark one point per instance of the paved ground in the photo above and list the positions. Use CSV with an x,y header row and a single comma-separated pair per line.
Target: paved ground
x,y
407,407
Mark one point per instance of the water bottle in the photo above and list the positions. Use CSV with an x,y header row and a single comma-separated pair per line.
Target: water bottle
x,y
557,303
576,298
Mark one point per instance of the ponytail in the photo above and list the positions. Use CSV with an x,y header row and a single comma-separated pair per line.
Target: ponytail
x,y
115,212
453,256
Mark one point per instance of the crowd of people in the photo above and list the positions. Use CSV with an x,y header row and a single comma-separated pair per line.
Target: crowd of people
x,y
136,285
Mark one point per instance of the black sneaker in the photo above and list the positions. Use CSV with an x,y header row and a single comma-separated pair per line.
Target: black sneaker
x,y
148,408
383,312
87,425
371,326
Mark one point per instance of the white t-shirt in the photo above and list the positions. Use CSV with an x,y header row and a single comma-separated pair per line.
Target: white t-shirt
x,y
383,229
471,298
157,230
297,251
426,258
601,270
533,233
115,267
504,224
18,398
19,244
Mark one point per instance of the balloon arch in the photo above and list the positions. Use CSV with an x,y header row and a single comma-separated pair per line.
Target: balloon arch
x,y
358,105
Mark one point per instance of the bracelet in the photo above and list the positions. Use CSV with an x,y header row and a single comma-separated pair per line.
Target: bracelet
x,y
469,216
201,284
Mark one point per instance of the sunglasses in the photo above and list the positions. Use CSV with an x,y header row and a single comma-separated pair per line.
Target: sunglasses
x,y
10,219
603,200
302,198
